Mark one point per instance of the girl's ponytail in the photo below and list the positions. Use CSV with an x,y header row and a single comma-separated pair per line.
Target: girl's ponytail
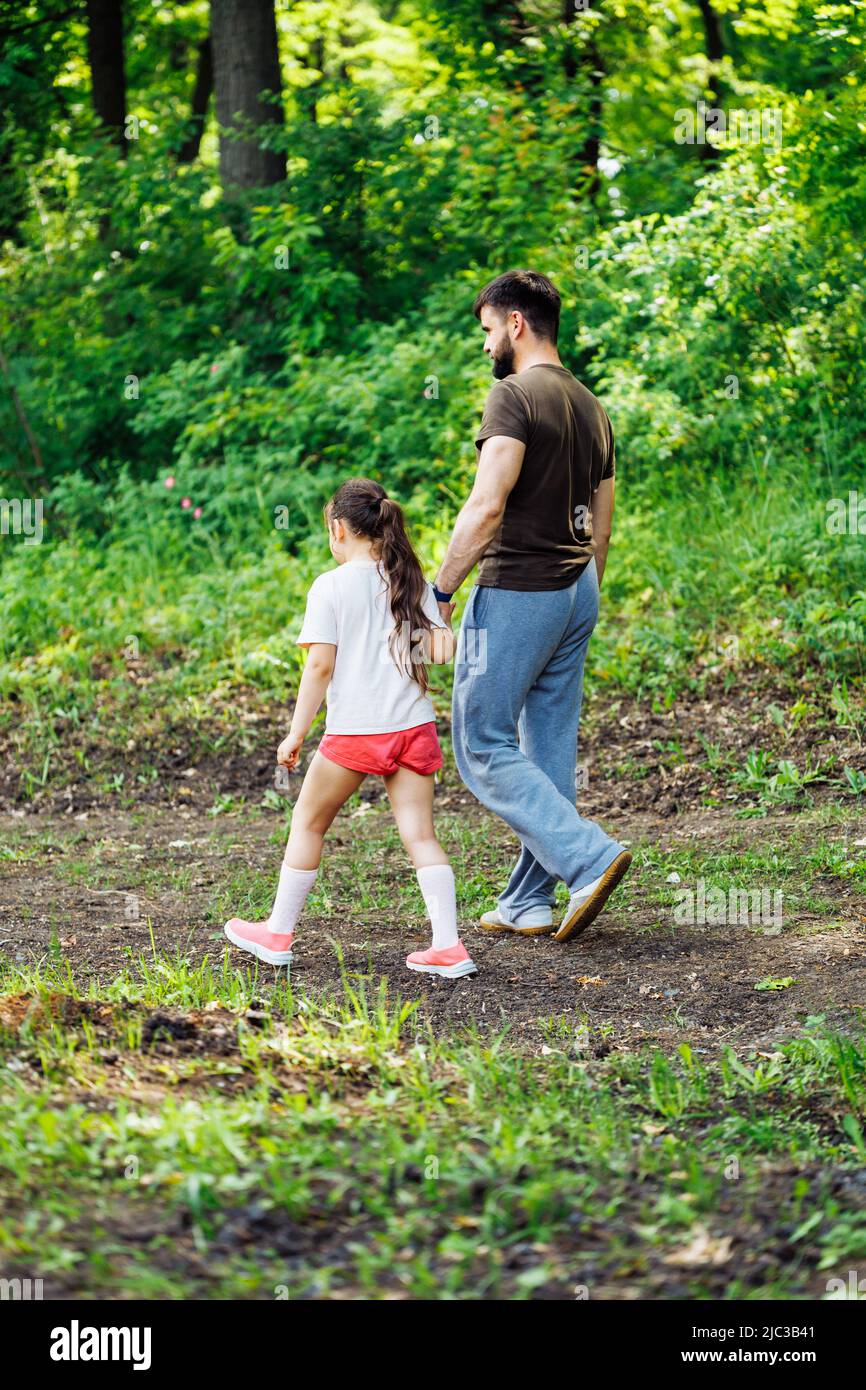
x,y
371,513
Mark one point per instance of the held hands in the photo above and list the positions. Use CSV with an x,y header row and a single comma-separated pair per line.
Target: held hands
x,y
447,611
289,751
442,640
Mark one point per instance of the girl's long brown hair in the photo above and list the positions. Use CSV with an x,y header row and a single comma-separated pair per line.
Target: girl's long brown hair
x,y
366,507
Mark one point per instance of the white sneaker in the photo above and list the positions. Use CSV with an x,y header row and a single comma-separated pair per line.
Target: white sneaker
x,y
585,905
535,921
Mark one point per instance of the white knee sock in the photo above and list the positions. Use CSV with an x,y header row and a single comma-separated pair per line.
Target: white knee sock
x,y
292,892
440,898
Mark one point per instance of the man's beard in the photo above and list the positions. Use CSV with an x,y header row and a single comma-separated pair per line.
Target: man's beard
x,y
503,360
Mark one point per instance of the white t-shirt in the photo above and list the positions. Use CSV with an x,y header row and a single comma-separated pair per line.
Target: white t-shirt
x,y
349,607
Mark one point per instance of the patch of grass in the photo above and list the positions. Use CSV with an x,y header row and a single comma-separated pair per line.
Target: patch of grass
x,y
359,1154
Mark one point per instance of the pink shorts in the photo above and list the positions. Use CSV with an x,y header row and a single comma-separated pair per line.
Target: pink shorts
x,y
418,749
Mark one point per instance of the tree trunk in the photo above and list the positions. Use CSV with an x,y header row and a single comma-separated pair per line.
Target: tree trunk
x,y
246,65
107,71
308,97
569,13
200,98
23,421
592,69
12,201
713,31
715,53
595,114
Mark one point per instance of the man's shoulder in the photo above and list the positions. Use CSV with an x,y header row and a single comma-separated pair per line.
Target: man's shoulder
x,y
542,379
503,387
585,400
509,398
544,375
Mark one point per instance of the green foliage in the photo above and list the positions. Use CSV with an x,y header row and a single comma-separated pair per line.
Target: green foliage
x,y
256,352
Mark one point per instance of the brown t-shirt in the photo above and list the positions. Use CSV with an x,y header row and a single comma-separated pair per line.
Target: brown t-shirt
x,y
545,540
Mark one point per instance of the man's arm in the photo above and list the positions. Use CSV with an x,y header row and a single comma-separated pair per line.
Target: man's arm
x,y
602,522
499,466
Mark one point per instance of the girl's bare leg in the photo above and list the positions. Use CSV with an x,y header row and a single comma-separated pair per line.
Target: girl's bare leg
x,y
411,797
326,789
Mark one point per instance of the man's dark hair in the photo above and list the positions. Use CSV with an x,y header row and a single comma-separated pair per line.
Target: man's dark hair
x,y
532,294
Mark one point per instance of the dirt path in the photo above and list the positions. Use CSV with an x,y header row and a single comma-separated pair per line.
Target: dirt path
x,y
635,977
87,874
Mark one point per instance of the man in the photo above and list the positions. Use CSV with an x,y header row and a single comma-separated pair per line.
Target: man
x,y
539,520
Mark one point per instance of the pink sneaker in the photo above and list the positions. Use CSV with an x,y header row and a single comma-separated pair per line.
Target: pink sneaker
x,y
259,941
451,963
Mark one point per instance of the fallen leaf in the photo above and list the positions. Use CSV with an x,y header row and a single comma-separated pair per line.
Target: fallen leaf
x,y
703,1249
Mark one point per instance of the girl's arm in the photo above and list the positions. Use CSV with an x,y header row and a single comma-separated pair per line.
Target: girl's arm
x,y
311,692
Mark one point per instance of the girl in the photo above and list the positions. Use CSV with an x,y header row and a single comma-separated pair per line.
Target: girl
x,y
370,627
